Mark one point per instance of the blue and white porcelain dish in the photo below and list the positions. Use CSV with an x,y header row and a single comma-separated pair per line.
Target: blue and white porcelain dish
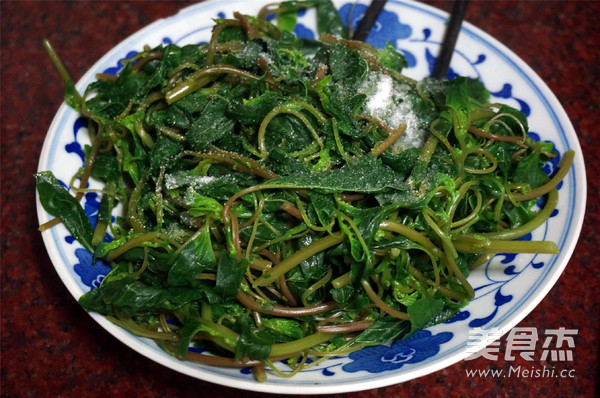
x,y
507,288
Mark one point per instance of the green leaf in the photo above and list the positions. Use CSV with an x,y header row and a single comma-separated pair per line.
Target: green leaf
x,y
232,33
272,227
103,248
194,259
392,58
171,57
287,133
253,110
104,210
286,21
314,267
339,106
324,205
222,186
329,20
503,152
356,249
200,205
385,329
230,273
287,327
529,171
212,125
248,57
477,91
120,292
401,163
366,174
57,201
194,102
164,153
518,215
368,220
422,311
250,343
457,100
112,98
516,122
347,66
107,168
190,328
343,294
132,164
282,163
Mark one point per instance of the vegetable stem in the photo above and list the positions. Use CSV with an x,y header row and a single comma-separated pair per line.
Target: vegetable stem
x,y
62,71
381,146
522,230
411,234
292,261
130,244
380,303
547,187
300,344
201,78
482,246
279,310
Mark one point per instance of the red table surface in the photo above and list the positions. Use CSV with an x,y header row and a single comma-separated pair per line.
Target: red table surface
x,y
51,347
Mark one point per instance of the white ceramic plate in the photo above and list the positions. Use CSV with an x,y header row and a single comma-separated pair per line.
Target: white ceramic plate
x,y
507,288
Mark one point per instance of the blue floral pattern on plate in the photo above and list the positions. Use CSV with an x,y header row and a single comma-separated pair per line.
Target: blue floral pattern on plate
x,y
387,29
91,274
421,345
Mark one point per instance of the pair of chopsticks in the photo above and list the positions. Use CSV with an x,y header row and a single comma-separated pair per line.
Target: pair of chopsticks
x,y
452,30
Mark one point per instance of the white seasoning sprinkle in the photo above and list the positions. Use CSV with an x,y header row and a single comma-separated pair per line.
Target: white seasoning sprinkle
x,y
173,181
387,100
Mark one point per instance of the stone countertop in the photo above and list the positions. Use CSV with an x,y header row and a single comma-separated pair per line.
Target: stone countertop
x,y
51,347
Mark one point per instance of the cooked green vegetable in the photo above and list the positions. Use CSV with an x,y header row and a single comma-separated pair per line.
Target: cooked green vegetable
x,y
278,205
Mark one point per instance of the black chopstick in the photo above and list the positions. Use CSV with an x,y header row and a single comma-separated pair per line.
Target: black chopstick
x,y
366,23
442,64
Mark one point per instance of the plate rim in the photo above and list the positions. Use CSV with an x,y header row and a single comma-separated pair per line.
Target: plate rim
x,y
578,173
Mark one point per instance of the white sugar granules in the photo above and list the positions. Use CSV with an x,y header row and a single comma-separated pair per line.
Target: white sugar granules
x,y
388,101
